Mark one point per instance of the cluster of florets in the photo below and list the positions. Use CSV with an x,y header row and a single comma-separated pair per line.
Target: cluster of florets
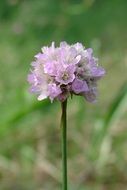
x,y
65,70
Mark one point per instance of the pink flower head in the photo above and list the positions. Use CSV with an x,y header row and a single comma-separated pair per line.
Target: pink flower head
x,y
67,69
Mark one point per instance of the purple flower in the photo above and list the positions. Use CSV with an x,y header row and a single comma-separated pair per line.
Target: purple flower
x,y
91,95
65,74
97,72
53,91
68,69
79,86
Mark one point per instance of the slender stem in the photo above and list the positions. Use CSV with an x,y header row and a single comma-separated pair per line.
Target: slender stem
x,y
64,143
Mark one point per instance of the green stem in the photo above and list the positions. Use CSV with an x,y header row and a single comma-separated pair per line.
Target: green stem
x,y
64,143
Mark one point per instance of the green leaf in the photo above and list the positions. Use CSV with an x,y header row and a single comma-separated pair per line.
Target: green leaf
x,y
116,110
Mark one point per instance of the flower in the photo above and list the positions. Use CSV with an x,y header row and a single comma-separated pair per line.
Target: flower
x,y
65,74
79,86
58,72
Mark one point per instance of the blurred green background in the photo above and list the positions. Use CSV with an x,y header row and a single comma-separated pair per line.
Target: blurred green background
x,y
30,149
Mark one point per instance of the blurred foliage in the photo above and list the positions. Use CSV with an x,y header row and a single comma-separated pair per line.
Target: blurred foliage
x,y
30,155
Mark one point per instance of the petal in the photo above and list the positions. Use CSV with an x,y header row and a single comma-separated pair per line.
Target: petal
x,y
97,71
91,96
53,90
78,58
42,97
79,86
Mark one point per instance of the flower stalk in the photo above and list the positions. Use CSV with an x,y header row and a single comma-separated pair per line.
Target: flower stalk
x,y
64,143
